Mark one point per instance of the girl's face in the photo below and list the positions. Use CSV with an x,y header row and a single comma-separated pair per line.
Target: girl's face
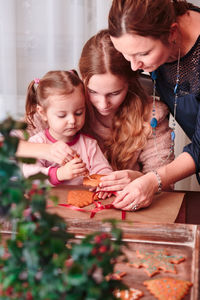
x,y
144,53
106,92
65,114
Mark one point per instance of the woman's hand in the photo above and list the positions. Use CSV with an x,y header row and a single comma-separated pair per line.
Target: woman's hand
x,y
57,152
72,169
138,194
61,153
118,180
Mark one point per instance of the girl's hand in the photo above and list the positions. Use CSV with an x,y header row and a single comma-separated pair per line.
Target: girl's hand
x,y
74,168
118,180
139,193
61,153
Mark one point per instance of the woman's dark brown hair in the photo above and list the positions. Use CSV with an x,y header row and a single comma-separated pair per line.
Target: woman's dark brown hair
x,y
145,17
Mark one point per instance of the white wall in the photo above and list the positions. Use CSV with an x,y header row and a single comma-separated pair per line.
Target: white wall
x,y
197,2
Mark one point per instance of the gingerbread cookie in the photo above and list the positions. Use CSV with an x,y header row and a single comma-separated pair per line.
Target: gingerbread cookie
x,y
168,288
130,294
92,180
155,261
115,276
79,198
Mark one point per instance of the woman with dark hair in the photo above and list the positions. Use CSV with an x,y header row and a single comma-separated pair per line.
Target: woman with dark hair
x,y
163,37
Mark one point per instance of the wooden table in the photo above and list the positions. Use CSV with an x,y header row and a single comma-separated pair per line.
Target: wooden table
x,y
178,238
164,208
190,209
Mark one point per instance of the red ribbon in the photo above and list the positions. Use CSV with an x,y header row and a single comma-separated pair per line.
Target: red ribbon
x,y
98,207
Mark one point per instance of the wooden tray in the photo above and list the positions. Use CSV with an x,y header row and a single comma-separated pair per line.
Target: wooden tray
x,y
177,239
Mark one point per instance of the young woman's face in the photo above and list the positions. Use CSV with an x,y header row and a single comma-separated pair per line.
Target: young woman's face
x,y
144,53
65,114
106,92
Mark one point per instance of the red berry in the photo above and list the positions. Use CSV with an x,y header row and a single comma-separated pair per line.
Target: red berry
x,y
103,249
104,236
9,291
97,239
29,296
94,251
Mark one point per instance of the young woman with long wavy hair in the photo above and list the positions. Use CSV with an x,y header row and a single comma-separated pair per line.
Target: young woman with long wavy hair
x,y
120,113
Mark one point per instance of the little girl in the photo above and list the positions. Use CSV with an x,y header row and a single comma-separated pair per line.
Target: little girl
x,y
59,99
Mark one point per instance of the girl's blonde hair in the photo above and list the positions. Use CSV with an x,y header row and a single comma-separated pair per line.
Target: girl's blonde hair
x,y
130,128
53,82
145,17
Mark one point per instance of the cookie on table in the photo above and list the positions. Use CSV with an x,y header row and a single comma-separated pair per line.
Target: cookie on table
x,y
80,198
155,261
92,180
168,288
130,294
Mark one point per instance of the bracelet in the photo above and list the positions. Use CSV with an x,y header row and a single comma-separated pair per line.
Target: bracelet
x,y
159,180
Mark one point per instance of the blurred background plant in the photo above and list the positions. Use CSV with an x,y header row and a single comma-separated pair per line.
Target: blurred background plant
x,y
41,259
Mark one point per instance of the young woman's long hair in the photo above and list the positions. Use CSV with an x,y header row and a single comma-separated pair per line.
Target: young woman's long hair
x,y
130,128
53,82
145,17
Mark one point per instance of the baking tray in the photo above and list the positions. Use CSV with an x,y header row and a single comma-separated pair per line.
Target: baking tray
x,y
176,239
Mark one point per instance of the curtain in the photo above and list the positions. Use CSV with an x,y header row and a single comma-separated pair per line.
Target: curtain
x,y
41,35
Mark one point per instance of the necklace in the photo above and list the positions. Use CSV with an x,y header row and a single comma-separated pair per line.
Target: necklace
x,y
154,121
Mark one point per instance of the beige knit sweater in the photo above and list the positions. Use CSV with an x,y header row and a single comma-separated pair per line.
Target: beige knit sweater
x,y
154,152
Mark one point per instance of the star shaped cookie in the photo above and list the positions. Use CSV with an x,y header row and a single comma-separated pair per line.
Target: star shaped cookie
x,y
155,261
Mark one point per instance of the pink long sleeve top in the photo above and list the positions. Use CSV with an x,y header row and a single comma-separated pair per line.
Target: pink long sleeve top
x,y
84,145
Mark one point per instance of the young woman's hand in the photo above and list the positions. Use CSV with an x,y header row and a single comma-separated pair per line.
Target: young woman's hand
x,y
102,195
72,169
61,153
118,180
137,194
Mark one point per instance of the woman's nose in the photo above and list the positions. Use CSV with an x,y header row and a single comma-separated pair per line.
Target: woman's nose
x,y
103,102
135,64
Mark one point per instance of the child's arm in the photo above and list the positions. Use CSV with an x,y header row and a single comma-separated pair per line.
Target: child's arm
x,y
76,167
58,152
97,161
33,169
